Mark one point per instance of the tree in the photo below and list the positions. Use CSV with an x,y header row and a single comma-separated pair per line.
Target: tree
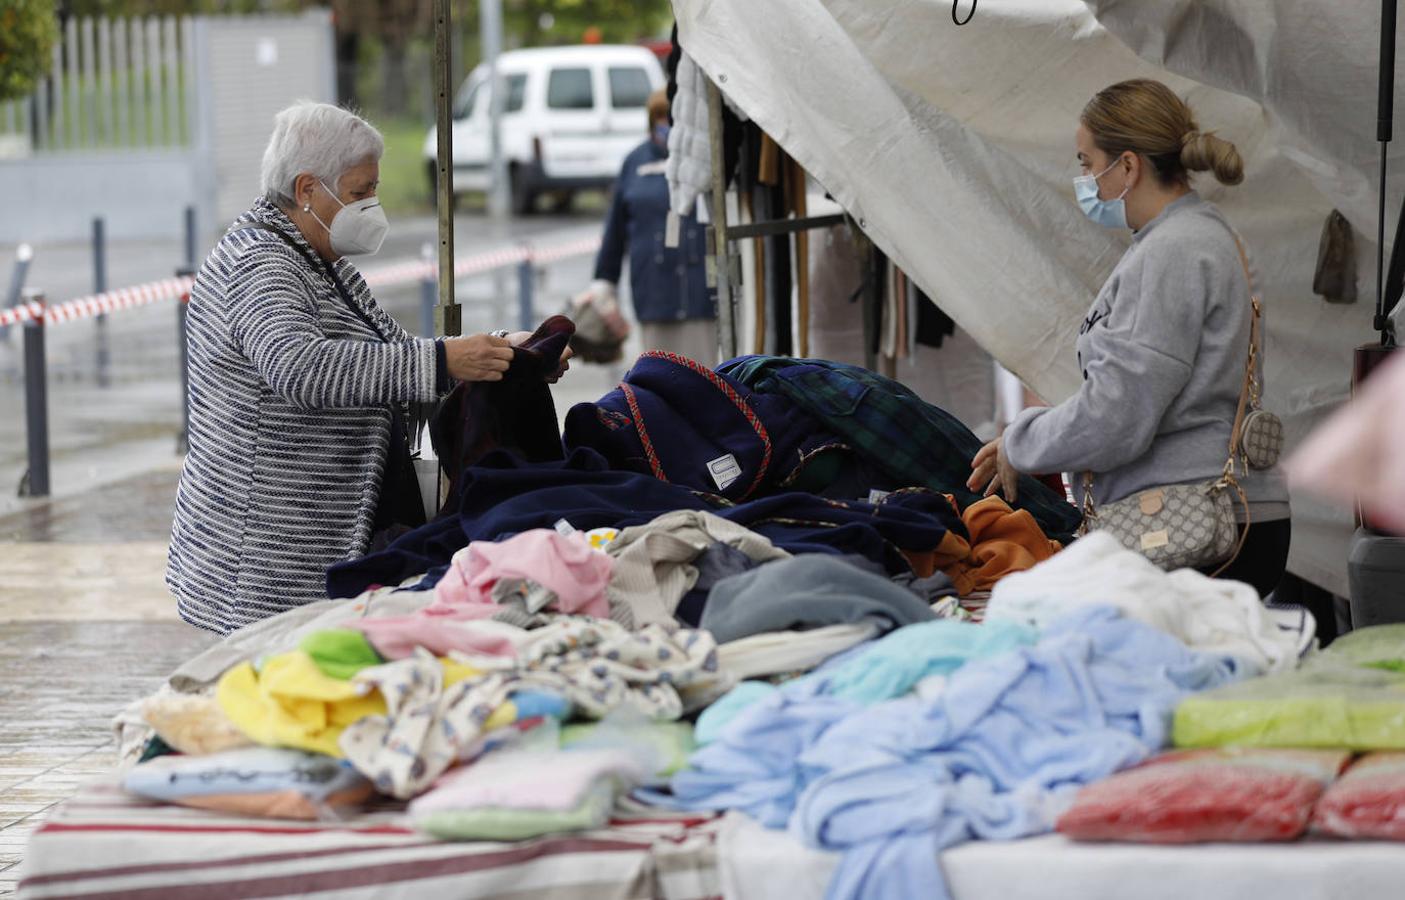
x,y
28,30
535,22
399,21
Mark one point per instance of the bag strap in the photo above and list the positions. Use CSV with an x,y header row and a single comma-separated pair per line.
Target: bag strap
x,y
1247,395
416,413
319,266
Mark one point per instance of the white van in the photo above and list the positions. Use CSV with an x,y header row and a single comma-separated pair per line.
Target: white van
x,y
570,115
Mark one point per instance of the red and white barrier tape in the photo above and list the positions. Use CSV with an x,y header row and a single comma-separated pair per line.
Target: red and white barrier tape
x,y
581,247
124,298
399,273
108,301
24,312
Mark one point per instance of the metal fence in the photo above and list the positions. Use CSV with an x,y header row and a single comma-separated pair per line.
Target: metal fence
x,y
114,83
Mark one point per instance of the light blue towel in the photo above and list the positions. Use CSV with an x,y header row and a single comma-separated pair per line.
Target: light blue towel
x,y
715,719
882,669
752,767
996,754
893,664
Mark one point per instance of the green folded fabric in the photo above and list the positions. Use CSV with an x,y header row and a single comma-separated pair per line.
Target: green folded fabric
x,y
1328,704
671,742
501,824
340,652
1377,647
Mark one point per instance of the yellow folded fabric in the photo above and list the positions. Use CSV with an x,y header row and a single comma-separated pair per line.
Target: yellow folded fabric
x,y
289,702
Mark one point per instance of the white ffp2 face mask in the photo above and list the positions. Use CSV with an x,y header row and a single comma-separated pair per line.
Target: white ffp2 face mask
x,y
358,228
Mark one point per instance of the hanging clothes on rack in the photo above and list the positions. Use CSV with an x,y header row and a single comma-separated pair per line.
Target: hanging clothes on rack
x,y
748,190
798,183
776,259
932,325
902,312
689,169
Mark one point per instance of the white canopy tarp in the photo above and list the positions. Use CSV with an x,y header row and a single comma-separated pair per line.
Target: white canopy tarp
x,y
953,147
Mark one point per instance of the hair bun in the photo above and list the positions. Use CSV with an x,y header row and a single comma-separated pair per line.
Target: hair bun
x,y
1207,152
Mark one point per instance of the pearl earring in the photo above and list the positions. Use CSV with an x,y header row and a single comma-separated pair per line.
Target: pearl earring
x,y
307,207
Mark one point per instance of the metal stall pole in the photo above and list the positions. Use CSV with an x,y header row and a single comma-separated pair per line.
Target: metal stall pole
x,y
725,266
35,482
100,285
183,346
24,254
448,315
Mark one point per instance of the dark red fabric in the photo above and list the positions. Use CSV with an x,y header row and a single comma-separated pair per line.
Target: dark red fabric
x,y
515,414
1196,796
1368,802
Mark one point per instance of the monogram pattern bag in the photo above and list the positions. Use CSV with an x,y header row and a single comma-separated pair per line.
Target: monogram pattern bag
x,y
1193,525
1177,526
1261,435
1262,444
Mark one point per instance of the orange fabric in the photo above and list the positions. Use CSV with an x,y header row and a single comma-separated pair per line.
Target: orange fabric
x,y
278,804
949,552
1003,540
952,550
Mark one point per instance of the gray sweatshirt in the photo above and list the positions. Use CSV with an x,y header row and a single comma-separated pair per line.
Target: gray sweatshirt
x,y
1162,351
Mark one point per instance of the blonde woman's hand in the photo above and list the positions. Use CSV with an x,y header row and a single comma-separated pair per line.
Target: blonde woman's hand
x,y
992,471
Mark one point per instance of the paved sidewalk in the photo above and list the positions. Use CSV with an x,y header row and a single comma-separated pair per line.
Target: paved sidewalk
x,y
86,624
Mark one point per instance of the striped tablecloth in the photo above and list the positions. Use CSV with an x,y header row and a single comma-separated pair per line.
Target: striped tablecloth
x,y
103,843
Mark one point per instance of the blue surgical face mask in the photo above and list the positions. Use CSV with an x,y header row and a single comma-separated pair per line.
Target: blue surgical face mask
x,y
661,134
1108,213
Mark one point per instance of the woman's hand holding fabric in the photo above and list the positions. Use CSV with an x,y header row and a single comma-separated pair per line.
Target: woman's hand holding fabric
x,y
992,468
518,338
480,357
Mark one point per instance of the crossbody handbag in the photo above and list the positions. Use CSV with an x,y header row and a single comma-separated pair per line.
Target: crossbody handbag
x,y
1193,525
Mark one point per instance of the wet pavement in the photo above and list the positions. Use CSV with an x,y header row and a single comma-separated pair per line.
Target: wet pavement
x,y
86,624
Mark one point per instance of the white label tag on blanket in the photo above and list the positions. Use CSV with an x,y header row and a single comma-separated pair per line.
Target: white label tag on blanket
x,y
724,470
875,495
564,527
672,230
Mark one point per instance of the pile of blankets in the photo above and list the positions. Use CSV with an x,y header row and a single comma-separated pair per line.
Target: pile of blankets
x,y
773,616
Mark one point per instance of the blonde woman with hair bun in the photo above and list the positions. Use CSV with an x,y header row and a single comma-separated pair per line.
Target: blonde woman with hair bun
x,y
1163,347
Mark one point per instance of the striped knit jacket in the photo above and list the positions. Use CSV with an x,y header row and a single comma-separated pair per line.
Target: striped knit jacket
x,y
290,408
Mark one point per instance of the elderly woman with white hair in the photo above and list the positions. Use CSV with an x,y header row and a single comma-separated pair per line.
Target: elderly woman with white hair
x,y
300,384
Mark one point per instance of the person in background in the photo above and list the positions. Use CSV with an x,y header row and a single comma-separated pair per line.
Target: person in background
x,y
1164,346
675,309
300,384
